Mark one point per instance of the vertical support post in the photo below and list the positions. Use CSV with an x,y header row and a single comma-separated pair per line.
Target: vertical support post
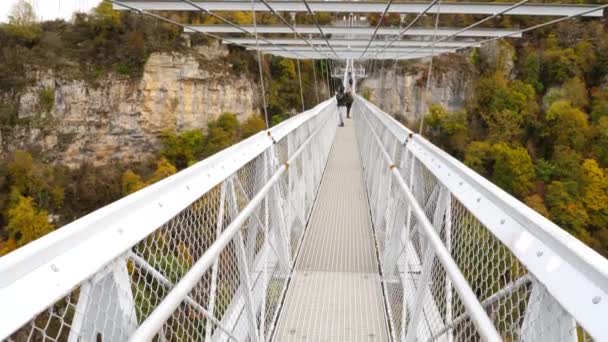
x,y
109,289
279,228
243,265
544,311
424,283
448,244
214,269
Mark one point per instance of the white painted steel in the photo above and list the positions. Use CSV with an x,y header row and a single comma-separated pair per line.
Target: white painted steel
x,y
348,42
367,31
349,55
299,49
48,273
566,280
364,7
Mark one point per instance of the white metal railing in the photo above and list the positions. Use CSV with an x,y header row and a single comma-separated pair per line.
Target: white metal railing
x,y
205,254
455,250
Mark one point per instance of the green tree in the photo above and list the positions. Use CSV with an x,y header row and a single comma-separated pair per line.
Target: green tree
x,y
447,130
26,223
575,91
529,69
558,64
21,170
568,125
252,125
513,169
22,21
566,162
479,157
505,107
184,149
600,141
566,208
599,103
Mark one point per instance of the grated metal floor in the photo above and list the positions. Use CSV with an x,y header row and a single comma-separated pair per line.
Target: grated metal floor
x,y
336,294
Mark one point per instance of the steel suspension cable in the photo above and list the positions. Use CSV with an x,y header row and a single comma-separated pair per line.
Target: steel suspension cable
x,y
314,18
430,72
329,80
388,5
263,88
286,22
432,44
395,82
402,32
299,72
190,27
331,76
314,73
551,22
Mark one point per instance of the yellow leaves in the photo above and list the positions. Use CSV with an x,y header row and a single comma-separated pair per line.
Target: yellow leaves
x,y
7,246
26,223
569,125
105,12
131,182
536,202
253,125
164,169
595,181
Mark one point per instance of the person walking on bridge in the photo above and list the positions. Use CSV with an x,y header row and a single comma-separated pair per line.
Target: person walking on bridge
x,y
348,97
340,98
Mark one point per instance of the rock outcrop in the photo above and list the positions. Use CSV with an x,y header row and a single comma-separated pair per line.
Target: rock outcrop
x,y
114,118
404,94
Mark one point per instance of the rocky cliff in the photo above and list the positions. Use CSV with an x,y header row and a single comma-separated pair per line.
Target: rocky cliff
x,y
72,121
403,94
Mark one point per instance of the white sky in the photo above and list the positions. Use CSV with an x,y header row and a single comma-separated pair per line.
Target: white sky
x,y
50,9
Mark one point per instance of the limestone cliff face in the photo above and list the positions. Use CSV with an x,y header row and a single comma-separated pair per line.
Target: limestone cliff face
x,y
404,94
116,118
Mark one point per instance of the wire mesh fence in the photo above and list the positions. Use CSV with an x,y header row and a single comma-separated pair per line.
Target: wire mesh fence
x,y
421,299
238,297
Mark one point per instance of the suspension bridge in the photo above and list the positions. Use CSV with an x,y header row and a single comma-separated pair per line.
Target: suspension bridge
x,y
312,232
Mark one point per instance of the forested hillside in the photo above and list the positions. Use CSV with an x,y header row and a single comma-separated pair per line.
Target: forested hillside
x,y
537,125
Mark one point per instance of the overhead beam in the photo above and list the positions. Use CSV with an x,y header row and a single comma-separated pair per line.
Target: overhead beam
x,y
367,7
364,31
347,55
298,49
352,42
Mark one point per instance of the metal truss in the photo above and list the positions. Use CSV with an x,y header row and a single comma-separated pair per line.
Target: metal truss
x,y
364,31
368,7
352,42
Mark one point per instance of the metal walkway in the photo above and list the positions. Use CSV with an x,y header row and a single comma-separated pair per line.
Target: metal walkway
x,y
335,293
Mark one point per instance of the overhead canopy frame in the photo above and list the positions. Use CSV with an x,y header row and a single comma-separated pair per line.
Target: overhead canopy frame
x,y
298,49
364,31
351,42
350,55
366,7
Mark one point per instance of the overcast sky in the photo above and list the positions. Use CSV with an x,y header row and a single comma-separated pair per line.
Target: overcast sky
x,y
50,9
